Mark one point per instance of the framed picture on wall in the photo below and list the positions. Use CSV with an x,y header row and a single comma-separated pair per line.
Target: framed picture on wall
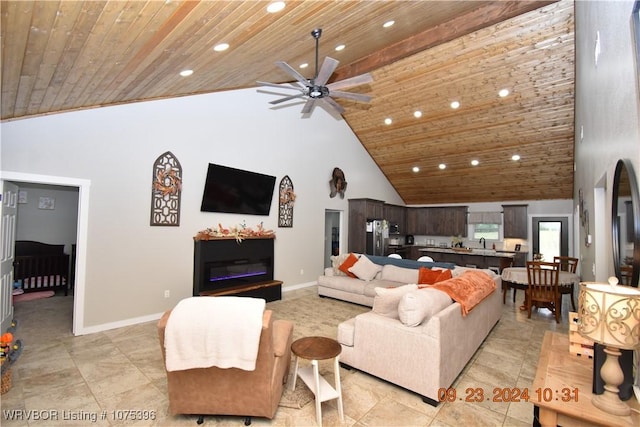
x,y
47,203
518,247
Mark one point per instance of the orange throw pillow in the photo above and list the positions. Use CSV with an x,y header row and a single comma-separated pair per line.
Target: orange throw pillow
x,y
427,276
348,263
444,275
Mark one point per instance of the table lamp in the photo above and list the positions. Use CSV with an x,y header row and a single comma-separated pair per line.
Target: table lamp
x,y
610,315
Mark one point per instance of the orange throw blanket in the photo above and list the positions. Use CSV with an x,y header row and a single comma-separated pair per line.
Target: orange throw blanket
x,y
468,289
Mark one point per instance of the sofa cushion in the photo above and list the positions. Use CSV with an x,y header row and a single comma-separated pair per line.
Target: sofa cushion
x,y
419,306
370,287
386,301
346,332
347,264
399,274
343,283
364,269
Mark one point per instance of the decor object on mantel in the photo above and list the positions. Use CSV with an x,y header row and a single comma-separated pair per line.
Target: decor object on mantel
x,y
287,198
338,184
239,232
166,190
610,315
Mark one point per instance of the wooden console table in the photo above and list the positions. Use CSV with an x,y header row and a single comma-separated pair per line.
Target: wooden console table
x,y
562,388
270,291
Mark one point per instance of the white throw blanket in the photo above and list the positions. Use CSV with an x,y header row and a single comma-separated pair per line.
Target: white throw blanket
x,y
214,331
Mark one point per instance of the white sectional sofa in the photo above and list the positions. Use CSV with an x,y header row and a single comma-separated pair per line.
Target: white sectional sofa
x,y
418,339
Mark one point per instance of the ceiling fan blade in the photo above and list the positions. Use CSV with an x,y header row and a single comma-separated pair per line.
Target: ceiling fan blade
x,y
333,104
289,70
281,85
348,95
352,81
308,106
287,98
328,67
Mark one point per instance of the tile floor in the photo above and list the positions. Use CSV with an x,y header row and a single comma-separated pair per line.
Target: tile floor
x,y
62,380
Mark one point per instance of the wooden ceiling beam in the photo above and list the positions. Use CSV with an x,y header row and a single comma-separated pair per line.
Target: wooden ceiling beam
x,y
484,16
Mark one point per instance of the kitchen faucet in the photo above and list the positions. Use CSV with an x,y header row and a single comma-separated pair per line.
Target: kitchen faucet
x,y
484,243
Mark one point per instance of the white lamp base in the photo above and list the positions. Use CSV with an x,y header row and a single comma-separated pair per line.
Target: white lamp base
x,y
612,375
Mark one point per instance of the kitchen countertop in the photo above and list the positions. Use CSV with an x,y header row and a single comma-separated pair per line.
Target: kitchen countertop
x,y
473,251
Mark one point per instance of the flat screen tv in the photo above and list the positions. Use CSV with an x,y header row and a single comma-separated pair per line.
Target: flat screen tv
x,y
239,191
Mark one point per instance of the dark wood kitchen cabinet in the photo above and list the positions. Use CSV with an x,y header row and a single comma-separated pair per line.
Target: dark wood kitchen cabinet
x,y
360,210
437,221
515,221
396,215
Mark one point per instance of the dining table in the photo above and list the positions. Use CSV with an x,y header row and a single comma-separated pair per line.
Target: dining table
x,y
517,278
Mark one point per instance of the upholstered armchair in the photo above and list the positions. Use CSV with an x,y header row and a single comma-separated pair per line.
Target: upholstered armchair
x,y
233,391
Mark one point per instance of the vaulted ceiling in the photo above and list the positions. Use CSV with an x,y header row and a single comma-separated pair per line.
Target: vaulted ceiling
x,y
70,55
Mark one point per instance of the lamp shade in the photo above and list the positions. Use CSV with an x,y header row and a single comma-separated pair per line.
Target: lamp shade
x,y
610,315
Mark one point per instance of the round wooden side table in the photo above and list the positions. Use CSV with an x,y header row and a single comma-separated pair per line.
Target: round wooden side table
x,y
315,349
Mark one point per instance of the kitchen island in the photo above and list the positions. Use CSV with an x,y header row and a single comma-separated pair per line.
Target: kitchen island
x,y
478,258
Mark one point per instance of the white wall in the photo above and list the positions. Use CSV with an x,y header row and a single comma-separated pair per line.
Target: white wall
x,y
130,264
607,126
54,226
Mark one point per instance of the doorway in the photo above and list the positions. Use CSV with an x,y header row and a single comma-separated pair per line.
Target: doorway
x,y
550,237
333,236
83,187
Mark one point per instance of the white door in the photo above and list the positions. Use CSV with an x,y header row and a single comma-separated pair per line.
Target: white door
x,y
9,211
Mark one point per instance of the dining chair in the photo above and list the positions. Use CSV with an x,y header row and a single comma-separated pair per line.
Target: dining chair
x,y
395,256
425,258
543,288
570,265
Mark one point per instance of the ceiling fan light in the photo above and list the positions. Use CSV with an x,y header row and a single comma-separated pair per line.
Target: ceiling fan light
x,y
275,7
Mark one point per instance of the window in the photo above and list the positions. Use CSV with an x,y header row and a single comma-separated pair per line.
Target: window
x,y
488,231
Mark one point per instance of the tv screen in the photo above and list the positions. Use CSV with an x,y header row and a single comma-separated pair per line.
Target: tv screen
x,y
233,190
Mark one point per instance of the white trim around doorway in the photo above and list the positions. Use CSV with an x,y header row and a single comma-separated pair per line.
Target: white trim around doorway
x,y
83,186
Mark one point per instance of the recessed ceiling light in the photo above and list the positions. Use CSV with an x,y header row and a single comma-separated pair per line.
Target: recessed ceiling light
x,y
186,73
388,121
340,47
221,47
388,24
503,93
442,166
415,169
515,157
455,105
276,6
475,162
305,65
417,114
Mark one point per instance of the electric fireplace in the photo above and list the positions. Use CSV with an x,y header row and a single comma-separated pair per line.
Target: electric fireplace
x,y
228,267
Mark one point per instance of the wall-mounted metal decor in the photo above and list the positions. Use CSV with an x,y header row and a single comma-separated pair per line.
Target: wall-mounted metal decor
x,y
287,197
166,190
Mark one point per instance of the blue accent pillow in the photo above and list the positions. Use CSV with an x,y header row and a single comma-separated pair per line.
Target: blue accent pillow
x,y
408,263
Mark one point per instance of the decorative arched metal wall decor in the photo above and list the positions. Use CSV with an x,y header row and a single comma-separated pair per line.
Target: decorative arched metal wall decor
x,y
286,200
166,190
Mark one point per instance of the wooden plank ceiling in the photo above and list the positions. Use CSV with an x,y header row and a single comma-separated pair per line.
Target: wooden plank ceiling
x,y
70,55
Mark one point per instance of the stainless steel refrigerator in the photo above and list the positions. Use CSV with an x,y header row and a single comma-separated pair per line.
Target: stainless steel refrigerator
x,y
377,236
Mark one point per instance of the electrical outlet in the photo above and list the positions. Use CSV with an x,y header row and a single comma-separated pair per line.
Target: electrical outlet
x,y
167,293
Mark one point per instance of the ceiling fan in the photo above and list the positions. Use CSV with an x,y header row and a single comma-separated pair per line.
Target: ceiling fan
x,y
315,90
